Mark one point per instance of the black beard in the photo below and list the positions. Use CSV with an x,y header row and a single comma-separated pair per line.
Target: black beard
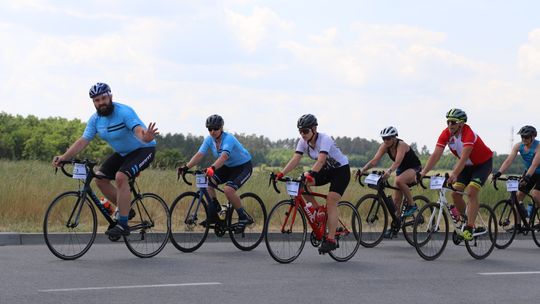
x,y
107,111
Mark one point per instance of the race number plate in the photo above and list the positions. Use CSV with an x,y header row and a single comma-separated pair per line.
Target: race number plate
x,y
79,171
201,181
292,188
512,185
372,179
436,182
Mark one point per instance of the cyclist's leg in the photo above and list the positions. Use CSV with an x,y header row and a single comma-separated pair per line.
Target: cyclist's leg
x,y
339,180
402,180
238,177
108,170
463,179
479,176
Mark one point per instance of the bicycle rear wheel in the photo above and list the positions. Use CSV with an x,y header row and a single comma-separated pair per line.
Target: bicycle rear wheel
x,y
535,224
70,225
187,235
506,217
485,233
348,232
253,234
150,227
286,232
374,220
408,222
430,231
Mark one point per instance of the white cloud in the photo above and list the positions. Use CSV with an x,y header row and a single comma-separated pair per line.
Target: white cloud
x,y
529,55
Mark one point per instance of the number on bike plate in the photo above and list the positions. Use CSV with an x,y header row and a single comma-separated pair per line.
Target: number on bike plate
x,y
372,179
79,171
201,181
512,185
436,182
292,188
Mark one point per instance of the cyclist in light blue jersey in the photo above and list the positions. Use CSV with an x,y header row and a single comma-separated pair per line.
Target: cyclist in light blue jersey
x,y
529,149
232,167
134,147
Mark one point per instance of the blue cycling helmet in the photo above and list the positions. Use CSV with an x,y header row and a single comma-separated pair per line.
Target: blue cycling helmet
x,y
99,89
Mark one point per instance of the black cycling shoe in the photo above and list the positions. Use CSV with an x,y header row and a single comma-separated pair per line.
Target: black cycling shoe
x,y
390,234
117,230
327,246
242,224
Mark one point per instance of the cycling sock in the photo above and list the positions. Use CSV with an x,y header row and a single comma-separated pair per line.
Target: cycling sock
x,y
241,213
123,220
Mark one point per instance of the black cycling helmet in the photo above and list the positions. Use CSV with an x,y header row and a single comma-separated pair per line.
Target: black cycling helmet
x,y
214,121
527,131
98,89
307,121
456,115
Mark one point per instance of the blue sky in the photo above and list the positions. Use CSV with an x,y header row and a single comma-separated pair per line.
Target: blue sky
x,y
357,65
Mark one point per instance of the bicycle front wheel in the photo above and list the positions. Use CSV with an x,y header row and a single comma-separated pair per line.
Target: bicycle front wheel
x,y
408,222
535,224
485,233
187,213
150,227
253,234
374,220
70,225
286,232
430,231
506,218
348,232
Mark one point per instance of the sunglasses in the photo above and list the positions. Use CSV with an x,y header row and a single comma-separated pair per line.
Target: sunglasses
x,y
452,122
526,137
387,138
304,131
213,129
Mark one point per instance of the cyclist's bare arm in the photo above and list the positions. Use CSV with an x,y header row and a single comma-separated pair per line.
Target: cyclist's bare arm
x,y
195,159
146,135
75,148
295,160
535,162
433,159
465,154
221,160
400,154
321,160
373,162
508,161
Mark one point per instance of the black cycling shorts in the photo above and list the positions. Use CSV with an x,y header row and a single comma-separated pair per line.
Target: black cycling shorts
x,y
234,177
535,183
131,164
337,177
475,175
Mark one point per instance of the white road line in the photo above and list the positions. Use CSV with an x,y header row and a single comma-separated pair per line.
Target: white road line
x,y
129,287
508,273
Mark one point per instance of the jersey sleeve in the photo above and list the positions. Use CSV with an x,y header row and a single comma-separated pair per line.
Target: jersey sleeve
x,y
205,145
326,144
91,130
443,138
468,137
131,119
301,146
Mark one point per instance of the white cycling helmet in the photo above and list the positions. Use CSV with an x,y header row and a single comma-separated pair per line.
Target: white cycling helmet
x,y
389,131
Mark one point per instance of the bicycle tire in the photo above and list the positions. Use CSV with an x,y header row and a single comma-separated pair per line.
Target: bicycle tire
x,y
482,245
253,234
150,227
506,218
408,223
69,243
374,219
535,224
285,246
348,232
430,240
187,235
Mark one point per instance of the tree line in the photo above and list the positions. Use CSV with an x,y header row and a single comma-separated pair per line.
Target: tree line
x,y
33,138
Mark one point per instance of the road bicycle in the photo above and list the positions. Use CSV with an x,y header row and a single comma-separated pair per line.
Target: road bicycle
x,y
431,228
375,208
286,228
70,225
513,218
189,213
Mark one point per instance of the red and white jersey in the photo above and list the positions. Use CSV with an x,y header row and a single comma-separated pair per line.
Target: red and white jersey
x,y
480,153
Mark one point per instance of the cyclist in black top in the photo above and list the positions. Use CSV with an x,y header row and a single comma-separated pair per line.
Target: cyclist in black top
x,y
405,163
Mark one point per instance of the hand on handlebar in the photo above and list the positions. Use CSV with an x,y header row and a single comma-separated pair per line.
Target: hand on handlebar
x,y
181,171
57,161
309,177
278,176
210,171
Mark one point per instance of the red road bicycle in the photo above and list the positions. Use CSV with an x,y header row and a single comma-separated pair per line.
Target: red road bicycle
x,y
286,228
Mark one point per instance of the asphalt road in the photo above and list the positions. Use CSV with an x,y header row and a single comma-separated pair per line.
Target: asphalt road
x,y
219,273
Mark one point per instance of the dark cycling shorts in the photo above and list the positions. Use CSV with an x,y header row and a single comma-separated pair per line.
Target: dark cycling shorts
x,y
535,183
401,170
337,177
234,177
131,164
475,175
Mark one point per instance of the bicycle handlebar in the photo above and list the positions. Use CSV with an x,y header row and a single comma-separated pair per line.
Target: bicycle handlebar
x,y
445,184
88,163
508,177
273,179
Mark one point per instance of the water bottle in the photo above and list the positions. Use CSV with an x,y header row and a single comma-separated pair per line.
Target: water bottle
x,y
454,212
222,214
105,202
530,210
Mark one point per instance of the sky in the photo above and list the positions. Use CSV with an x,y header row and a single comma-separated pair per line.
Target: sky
x,y
359,66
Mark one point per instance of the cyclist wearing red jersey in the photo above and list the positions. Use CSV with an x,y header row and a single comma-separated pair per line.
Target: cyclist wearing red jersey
x,y
472,169
331,166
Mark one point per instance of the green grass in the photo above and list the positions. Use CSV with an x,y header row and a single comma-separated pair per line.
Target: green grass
x,y
27,188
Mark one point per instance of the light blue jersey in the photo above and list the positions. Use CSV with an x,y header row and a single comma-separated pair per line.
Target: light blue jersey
x,y
528,156
238,155
117,129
